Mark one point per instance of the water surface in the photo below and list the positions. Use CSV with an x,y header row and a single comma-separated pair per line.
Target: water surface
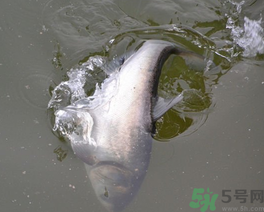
x,y
42,40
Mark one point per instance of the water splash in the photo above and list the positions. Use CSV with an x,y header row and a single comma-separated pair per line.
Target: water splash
x,y
84,89
68,98
72,90
76,125
238,5
250,36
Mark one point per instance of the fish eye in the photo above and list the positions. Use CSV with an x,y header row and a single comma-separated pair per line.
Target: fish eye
x,y
121,60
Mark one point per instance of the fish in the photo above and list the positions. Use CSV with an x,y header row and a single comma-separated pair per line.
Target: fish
x,y
113,128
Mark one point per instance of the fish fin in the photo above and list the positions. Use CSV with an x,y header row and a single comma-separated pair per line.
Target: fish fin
x,y
196,62
84,152
163,105
116,63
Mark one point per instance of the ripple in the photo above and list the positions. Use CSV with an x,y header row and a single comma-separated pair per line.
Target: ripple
x,y
34,90
173,124
83,26
104,29
186,117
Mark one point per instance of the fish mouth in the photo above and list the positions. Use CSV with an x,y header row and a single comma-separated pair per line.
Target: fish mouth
x,y
114,184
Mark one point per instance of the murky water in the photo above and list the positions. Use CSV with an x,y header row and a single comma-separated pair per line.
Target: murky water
x,y
214,140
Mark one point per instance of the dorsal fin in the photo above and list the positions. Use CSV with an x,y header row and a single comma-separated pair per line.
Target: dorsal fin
x,y
116,63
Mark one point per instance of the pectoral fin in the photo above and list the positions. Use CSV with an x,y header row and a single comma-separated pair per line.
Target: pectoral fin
x,y
163,105
85,153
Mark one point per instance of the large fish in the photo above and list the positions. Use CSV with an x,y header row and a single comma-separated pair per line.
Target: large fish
x,y
113,128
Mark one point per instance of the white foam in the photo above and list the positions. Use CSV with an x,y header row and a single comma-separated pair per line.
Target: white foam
x,y
252,40
71,91
250,36
76,125
71,121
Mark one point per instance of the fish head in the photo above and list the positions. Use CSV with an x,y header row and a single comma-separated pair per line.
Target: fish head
x,y
115,185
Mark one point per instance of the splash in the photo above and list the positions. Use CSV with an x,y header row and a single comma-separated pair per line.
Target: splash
x,y
250,36
94,82
76,125
67,99
70,91
70,102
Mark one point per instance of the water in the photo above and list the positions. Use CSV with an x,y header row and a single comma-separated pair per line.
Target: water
x,y
217,144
